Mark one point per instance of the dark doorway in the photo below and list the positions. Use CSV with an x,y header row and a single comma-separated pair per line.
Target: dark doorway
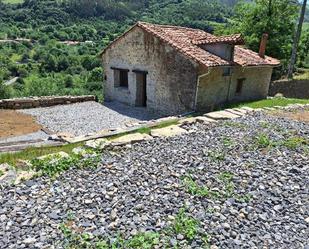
x,y
141,88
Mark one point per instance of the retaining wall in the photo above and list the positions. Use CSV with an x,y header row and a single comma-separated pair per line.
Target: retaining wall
x,y
290,88
33,102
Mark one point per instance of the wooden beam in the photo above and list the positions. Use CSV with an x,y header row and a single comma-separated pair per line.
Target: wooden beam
x,y
120,69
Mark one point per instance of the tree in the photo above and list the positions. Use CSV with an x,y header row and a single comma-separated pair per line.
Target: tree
x,y
296,40
275,17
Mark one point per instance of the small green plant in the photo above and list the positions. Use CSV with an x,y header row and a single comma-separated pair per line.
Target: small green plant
x,y
203,191
263,141
53,166
227,141
295,142
226,176
1,173
185,225
216,155
145,240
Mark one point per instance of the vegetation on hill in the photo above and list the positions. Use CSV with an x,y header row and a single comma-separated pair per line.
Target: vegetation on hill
x,y
36,36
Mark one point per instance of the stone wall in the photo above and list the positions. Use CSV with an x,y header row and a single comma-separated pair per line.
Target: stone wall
x,y
33,102
290,88
215,89
171,78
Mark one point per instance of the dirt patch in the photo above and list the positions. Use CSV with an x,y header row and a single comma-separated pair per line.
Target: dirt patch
x,y
13,123
299,115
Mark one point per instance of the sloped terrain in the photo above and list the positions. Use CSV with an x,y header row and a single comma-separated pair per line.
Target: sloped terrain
x,y
235,184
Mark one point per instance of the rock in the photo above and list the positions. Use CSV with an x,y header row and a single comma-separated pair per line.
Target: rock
x,y
100,143
81,151
131,138
221,115
170,131
24,176
29,241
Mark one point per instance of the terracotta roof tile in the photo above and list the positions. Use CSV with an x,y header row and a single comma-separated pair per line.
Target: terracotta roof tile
x,y
185,40
236,39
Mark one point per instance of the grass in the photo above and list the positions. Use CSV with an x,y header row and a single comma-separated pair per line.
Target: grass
x,y
270,103
33,152
13,1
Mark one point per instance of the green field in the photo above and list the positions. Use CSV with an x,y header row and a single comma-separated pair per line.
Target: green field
x,y
13,1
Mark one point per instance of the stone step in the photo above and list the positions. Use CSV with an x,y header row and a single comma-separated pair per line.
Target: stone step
x,y
170,131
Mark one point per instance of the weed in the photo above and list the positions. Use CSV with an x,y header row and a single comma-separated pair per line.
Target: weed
x,y
216,155
194,189
53,166
263,141
1,173
295,142
185,225
226,176
145,240
227,141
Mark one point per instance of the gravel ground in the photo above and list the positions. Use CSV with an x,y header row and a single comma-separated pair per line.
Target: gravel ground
x,y
143,188
88,117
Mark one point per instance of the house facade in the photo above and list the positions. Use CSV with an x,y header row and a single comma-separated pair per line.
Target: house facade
x,y
173,70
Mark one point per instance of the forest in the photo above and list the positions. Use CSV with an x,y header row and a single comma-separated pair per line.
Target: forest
x,y
50,47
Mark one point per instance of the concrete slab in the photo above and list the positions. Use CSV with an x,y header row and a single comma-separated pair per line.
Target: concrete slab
x,y
131,138
240,110
170,131
249,109
221,115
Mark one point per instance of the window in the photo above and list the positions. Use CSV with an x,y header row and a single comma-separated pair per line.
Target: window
x,y
239,86
227,71
121,77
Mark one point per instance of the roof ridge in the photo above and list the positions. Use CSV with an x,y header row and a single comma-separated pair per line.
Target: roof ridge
x,y
172,26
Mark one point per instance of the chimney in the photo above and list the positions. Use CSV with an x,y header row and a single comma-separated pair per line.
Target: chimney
x,y
263,45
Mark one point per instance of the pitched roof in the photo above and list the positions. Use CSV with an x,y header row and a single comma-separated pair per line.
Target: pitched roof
x,y
186,41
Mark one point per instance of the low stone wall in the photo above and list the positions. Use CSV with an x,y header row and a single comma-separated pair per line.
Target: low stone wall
x,y
33,102
290,88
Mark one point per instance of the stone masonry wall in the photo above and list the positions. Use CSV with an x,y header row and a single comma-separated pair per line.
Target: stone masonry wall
x,y
290,88
171,77
214,89
33,102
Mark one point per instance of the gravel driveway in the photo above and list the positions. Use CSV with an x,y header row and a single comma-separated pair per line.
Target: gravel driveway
x,y
88,117
257,182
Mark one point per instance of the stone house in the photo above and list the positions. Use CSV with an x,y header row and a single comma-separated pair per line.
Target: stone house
x,y
175,70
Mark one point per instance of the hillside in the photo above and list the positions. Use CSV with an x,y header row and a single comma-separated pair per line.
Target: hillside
x,y
46,60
